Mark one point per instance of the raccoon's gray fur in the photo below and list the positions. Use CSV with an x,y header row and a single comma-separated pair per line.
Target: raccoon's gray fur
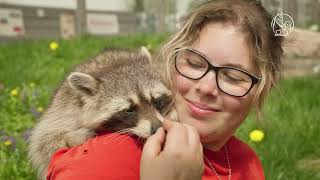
x,y
116,90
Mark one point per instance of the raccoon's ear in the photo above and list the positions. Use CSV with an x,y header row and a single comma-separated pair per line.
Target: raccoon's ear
x,y
145,52
83,83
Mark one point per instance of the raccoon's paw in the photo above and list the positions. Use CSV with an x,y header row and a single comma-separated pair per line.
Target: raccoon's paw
x,y
78,137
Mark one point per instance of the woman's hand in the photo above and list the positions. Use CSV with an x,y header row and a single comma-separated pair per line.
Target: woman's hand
x,y
175,155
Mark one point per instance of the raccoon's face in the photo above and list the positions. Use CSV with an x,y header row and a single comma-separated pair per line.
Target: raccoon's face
x,y
140,112
130,98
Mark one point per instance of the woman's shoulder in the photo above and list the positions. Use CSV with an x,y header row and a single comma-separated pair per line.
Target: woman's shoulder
x,y
107,155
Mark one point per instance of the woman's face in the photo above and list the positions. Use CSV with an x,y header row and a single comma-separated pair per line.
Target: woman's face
x,y
222,45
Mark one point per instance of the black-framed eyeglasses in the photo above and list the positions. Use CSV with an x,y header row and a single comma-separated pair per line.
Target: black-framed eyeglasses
x,y
230,80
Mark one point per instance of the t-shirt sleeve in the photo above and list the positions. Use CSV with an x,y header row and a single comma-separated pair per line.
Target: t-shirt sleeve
x,y
99,158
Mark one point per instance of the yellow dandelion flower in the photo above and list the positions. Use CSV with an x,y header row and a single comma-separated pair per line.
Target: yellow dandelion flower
x,y
40,109
53,45
14,92
32,85
7,143
256,135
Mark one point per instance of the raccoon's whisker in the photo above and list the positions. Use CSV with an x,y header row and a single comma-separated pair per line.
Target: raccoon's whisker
x,y
115,134
122,131
126,132
141,141
110,137
167,108
115,138
126,138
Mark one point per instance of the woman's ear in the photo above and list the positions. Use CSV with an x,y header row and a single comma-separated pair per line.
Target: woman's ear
x,y
83,83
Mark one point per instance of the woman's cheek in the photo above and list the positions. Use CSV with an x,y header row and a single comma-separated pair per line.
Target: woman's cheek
x,y
238,107
181,84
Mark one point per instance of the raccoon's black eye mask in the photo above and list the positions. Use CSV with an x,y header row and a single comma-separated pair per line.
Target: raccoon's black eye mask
x,y
131,110
162,102
123,119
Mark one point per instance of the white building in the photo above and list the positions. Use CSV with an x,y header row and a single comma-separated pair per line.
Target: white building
x,y
103,5
60,18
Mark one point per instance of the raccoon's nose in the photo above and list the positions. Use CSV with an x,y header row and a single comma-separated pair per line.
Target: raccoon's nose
x,y
155,125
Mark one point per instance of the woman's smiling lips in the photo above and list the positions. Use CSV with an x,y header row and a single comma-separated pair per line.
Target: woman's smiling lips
x,y
198,109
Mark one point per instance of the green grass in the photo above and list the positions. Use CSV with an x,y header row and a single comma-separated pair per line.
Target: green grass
x,y
291,126
291,121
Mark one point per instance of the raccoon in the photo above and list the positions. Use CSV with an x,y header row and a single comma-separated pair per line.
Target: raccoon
x,y
118,90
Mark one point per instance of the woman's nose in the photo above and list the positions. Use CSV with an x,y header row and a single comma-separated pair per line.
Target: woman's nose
x,y
208,84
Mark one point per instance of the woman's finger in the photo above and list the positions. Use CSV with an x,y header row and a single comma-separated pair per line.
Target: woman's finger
x,y
176,137
193,136
153,145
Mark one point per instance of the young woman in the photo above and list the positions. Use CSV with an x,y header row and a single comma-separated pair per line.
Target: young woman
x,y
221,65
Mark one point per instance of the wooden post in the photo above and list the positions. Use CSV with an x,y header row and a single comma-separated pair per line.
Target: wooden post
x,y
162,12
81,17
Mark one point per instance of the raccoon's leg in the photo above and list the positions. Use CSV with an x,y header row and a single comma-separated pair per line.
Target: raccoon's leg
x,y
42,145
78,137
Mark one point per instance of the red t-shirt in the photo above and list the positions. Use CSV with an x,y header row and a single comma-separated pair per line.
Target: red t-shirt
x,y
117,157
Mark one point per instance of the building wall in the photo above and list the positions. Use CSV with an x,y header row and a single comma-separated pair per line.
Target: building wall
x,y
110,5
100,5
48,25
65,4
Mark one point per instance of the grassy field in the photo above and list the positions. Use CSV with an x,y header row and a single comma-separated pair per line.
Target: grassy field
x,y
30,71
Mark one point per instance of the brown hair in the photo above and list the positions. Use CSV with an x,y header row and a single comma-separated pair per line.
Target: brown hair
x,y
252,19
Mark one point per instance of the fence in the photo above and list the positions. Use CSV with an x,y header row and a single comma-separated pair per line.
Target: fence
x,y
37,22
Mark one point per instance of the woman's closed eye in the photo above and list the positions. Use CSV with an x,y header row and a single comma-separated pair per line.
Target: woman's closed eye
x,y
233,77
194,63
